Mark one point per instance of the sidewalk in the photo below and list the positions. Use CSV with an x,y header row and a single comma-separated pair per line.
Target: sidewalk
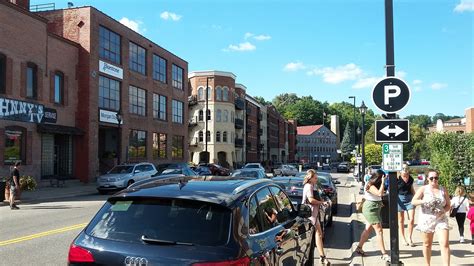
x,y
46,192
461,253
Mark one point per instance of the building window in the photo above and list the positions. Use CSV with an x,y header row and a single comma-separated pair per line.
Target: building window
x,y
137,144
14,143
31,81
218,94
218,115
178,110
109,93
177,74
200,115
177,147
208,136
218,136
109,45
209,92
137,57
226,116
137,100
159,146
201,136
3,74
159,106
225,96
159,68
201,93
224,136
208,114
58,87
232,116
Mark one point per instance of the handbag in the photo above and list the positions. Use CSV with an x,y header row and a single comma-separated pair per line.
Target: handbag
x,y
454,211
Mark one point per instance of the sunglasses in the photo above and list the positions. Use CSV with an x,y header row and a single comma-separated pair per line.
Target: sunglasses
x,y
433,178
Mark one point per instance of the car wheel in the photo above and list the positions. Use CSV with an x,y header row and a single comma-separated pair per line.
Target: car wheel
x,y
329,222
102,192
334,209
310,261
130,182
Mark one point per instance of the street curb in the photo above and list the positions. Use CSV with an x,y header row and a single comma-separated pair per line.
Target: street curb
x,y
45,199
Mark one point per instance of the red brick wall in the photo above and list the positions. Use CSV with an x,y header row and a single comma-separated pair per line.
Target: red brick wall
x,y
252,135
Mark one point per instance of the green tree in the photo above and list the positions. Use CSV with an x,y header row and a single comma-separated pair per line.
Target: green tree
x,y
370,135
282,101
306,111
417,148
347,145
421,120
262,100
373,154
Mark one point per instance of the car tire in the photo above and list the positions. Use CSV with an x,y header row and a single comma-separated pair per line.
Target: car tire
x,y
310,261
130,182
334,209
329,222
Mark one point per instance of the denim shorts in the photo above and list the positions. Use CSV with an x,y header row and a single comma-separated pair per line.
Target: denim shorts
x,y
13,190
404,203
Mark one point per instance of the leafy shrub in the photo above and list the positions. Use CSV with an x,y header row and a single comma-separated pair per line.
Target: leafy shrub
x,y
27,183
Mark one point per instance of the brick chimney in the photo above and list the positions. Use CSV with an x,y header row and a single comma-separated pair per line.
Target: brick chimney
x,y
25,4
469,120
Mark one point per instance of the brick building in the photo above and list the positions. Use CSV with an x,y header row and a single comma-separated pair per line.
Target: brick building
x,y
38,95
252,130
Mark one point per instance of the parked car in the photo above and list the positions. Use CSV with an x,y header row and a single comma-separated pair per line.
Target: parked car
x,y
121,176
201,170
185,171
285,170
328,186
343,167
249,173
217,169
254,165
195,223
293,186
161,167
424,162
326,166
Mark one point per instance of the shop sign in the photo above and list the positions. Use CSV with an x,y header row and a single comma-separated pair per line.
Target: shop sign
x,y
110,69
108,117
50,116
21,111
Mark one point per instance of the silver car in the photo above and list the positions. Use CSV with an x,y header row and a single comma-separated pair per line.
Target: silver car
x,y
285,170
121,176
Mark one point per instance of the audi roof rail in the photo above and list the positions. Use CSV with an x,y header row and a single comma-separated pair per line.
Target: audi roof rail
x,y
249,184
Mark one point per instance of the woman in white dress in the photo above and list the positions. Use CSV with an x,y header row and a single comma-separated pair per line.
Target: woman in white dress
x,y
434,201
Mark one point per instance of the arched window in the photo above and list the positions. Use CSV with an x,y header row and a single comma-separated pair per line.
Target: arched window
x,y
218,115
232,116
218,94
200,115
201,93
218,136
208,136
209,90
226,116
224,136
201,136
225,94
208,114
58,87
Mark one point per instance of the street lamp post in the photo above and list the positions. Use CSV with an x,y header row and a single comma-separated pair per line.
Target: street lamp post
x,y
119,118
207,119
358,153
354,120
363,110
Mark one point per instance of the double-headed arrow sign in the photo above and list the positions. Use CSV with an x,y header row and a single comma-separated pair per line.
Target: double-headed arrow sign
x,y
395,130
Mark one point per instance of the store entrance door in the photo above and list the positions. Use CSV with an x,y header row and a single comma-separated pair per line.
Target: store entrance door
x,y
108,148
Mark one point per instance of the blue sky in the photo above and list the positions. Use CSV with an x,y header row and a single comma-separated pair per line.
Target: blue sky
x,y
329,49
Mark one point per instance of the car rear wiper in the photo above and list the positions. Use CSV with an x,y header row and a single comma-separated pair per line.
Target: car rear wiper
x,y
163,242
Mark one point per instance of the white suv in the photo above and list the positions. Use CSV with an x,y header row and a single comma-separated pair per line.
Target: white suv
x,y
254,165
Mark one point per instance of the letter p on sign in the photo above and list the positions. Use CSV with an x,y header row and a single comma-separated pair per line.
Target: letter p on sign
x,y
390,91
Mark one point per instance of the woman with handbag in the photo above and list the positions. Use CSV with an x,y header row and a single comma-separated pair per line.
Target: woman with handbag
x,y
373,192
309,181
434,201
459,208
405,195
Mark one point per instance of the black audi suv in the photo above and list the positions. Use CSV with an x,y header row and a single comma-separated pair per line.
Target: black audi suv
x,y
197,222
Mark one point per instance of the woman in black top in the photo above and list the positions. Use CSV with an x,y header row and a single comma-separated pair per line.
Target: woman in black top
x,y
405,195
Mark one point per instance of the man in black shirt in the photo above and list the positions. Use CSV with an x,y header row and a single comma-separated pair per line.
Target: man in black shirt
x,y
14,185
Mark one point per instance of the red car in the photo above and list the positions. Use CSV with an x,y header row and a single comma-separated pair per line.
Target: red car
x,y
217,169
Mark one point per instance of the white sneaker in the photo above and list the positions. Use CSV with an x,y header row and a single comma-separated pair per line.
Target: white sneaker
x,y
461,240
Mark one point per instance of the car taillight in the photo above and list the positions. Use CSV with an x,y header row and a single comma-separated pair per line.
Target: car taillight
x,y
238,262
79,255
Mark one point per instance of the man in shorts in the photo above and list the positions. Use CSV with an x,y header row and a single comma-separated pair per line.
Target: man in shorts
x,y
14,185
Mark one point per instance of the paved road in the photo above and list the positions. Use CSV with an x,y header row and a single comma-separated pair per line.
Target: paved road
x,y
40,234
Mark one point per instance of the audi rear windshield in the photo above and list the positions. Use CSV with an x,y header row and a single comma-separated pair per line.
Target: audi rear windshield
x,y
174,220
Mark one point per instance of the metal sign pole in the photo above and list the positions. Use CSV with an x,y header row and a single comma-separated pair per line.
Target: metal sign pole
x,y
393,192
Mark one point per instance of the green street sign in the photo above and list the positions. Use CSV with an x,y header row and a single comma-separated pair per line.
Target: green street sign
x,y
392,157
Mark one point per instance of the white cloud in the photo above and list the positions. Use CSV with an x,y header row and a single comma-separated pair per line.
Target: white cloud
x,y
366,82
417,82
417,89
132,24
294,66
464,5
438,86
241,47
170,16
261,37
335,75
400,74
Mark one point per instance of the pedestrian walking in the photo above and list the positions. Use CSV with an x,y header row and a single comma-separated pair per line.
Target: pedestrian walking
x,y
310,180
405,195
459,208
434,201
14,185
470,216
373,192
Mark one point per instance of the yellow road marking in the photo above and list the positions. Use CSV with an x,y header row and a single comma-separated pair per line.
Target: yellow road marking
x,y
42,234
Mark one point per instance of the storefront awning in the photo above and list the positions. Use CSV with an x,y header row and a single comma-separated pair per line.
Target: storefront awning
x,y
58,129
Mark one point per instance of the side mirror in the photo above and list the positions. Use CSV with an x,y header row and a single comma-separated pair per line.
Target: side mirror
x,y
304,211
136,171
